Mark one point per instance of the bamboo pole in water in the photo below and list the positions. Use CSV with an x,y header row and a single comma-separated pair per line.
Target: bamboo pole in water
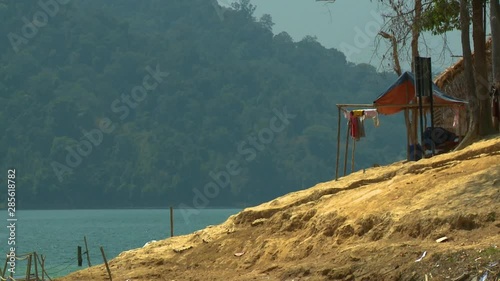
x,y
79,255
28,268
36,266
171,222
87,250
43,266
43,269
4,268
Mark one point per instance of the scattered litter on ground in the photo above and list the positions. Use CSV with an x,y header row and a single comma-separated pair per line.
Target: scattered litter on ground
x,y
149,243
492,264
484,276
340,230
464,277
442,239
182,249
258,221
423,256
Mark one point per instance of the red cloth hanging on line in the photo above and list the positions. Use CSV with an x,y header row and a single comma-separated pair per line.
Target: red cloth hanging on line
x,y
353,122
357,126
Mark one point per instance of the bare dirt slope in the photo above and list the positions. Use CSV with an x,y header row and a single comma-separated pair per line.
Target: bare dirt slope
x,y
370,225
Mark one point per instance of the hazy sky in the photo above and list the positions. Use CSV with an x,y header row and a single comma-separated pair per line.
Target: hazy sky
x,y
344,25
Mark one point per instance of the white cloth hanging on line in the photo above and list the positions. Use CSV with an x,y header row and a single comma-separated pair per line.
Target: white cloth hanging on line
x,y
372,113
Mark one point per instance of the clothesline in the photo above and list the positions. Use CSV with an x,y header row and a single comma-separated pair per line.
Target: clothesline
x,y
362,114
342,108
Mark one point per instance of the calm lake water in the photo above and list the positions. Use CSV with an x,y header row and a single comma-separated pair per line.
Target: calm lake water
x,y
56,234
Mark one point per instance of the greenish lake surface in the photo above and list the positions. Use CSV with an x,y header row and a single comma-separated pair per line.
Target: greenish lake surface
x,y
56,234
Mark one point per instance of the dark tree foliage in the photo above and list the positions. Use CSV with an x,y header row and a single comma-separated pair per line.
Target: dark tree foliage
x,y
77,140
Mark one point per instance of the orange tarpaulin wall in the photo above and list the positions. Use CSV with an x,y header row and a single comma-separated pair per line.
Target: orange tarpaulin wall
x,y
403,92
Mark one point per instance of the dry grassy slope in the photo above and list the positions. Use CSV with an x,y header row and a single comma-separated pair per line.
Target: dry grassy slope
x,y
366,226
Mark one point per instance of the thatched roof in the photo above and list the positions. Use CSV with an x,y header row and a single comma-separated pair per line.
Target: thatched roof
x,y
451,73
452,82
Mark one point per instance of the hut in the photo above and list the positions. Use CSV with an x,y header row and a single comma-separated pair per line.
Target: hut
x,y
399,97
452,82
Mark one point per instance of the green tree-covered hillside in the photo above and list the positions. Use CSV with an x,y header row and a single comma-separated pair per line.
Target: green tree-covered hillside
x,y
125,103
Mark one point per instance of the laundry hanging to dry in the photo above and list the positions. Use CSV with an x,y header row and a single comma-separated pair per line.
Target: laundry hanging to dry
x,y
356,121
357,125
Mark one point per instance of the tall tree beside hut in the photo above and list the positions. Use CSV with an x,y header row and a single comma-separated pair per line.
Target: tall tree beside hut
x,y
443,16
495,49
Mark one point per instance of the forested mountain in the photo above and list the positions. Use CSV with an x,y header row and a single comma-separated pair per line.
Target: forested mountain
x,y
126,103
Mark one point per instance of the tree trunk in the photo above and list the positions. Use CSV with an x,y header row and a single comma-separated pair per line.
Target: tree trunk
x,y
481,70
416,32
470,84
495,46
415,35
495,35
395,53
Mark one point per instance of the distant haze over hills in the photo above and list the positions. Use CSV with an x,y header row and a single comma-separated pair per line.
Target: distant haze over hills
x,y
152,103
338,24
